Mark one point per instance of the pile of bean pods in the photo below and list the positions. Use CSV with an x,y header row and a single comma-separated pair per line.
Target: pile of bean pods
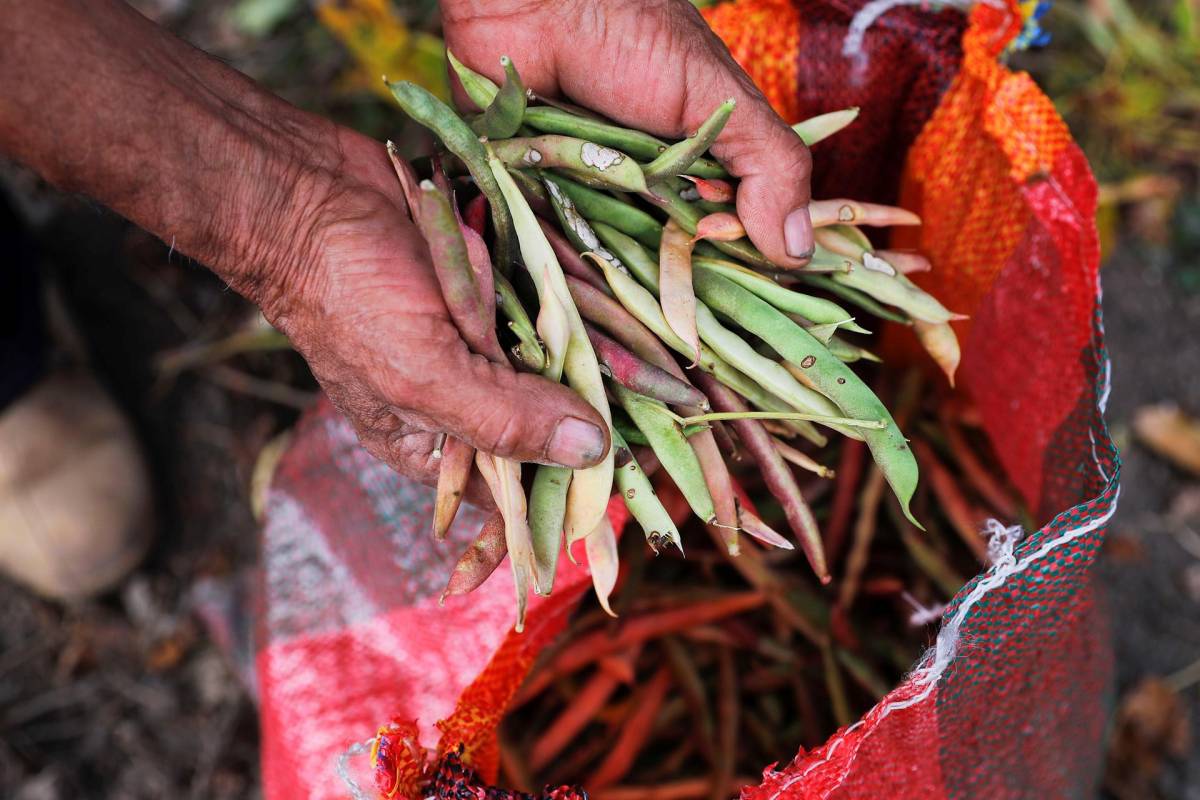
x,y
699,685
609,248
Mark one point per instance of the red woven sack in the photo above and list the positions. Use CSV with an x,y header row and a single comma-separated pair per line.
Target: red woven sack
x,y
1008,703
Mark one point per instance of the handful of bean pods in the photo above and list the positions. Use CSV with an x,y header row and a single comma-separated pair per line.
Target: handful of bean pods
x,y
610,248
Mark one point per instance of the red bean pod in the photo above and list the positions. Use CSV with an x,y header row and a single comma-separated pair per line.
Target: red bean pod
x,y
776,474
639,376
480,560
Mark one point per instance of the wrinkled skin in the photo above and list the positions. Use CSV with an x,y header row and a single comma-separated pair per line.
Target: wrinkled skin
x,y
307,219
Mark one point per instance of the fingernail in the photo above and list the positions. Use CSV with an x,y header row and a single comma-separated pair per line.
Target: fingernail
x,y
575,443
798,233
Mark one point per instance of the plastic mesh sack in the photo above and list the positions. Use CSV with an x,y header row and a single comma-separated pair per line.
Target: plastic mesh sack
x,y
1009,700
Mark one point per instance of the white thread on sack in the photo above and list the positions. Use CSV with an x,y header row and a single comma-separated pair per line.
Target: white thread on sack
x,y
946,647
922,614
833,746
828,755
935,661
1107,390
1001,541
1096,457
343,767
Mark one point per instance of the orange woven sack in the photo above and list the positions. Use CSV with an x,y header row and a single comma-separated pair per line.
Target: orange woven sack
x,y
1007,703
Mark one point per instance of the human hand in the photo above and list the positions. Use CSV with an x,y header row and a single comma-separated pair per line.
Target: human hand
x,y
653,64
364,306
304,218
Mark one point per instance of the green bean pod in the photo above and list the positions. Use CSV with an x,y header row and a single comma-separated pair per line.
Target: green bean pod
x,y
895,290
770,374
608,313
671,447
765,401
460,140
452,265
608,167
589,490
547,511
635,143
481,89
822,333
638,494
636,319
630,434
502,117
833,378
821,127
577,229
848,353
596,206
816,309
567,252
863,301
715,208
529,352
677,158
534,192
725,343
855,234
551,485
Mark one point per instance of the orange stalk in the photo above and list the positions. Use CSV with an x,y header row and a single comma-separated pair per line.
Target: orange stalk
x,y
636,629
978,475
849,471
955,506
575,716
728,711
634,733
864,534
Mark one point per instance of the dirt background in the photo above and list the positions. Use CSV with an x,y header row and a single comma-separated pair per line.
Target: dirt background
x,y
130,696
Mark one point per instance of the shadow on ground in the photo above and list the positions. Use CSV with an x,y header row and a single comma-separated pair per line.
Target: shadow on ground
x,y
1152,560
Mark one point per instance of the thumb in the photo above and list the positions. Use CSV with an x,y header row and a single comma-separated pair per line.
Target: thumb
x,y
515,415
773,164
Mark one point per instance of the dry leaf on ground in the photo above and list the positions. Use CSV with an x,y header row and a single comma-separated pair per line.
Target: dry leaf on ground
x,y
1151,725
1170,433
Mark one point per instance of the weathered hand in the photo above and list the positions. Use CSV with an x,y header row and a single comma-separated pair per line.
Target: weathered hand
x,y
365,309
308,221
653,64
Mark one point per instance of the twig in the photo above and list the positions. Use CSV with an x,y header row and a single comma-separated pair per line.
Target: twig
x,y
272,391
954,505
849,471
728,711
634,733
